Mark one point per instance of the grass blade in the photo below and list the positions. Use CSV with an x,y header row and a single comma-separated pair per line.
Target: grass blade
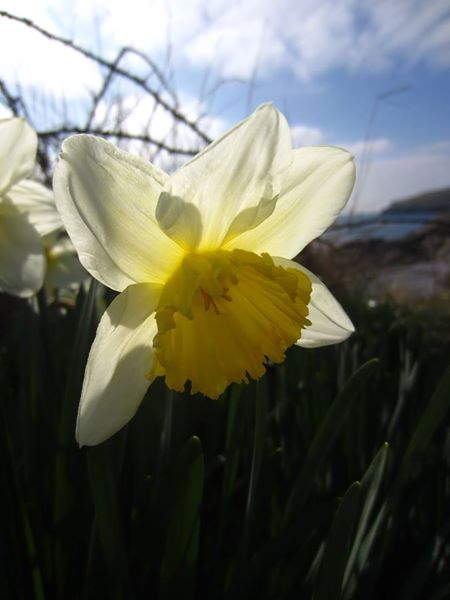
x,y
370,485
104,494
178,566
326,435
332,568
261,409
428,424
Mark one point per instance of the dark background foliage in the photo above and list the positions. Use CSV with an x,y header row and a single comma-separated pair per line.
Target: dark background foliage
x,y
329,478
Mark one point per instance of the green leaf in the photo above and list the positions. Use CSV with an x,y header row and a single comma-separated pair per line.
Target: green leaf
x,y
373,533
104,495
326,435
83,339
65,499
261,409
299,538
428,424
332,568
179,561
233,451
232,439
423,569
24,530
442,594
370,485
165,442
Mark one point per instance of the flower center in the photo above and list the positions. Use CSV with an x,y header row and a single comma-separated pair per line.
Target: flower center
x,y
222,316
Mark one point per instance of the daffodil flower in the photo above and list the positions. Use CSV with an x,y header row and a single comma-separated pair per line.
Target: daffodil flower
x,y
37,205
64,270
32,247
209,294
22,260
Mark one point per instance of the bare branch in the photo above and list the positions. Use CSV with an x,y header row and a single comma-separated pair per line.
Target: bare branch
x,y
100,94
120,135
14,103
139,81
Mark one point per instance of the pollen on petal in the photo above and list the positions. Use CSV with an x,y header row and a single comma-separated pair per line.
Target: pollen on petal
x,y
222,316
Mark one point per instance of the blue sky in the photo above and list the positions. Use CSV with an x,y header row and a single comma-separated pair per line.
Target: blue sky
x,y
325,63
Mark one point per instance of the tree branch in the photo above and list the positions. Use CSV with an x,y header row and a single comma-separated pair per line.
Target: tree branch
x,y
121,135
114,68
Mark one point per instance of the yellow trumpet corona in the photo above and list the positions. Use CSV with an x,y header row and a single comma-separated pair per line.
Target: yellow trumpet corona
x,y
222,315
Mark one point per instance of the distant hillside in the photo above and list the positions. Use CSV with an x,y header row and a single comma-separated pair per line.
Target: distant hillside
x,y
438,201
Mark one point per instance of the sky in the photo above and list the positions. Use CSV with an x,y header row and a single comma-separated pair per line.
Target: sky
x,y
372,76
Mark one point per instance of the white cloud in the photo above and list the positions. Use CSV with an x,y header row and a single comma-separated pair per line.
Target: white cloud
x,y
303,135
313,37
30,59
5,113
384,175
238,40
368,36
36,11
363,149
437,147
411,29
306,36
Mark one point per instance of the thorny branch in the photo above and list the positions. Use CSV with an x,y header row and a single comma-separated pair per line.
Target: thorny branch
x,y
114,68
14,102
121,135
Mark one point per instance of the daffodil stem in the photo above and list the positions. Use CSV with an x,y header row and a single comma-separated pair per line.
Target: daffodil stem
x,y
90,558
166,435
44,331
107,519
261,408
84,336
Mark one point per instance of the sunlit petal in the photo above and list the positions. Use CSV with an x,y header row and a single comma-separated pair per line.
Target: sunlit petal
x,y
235,181
64,269
107,199
22,260
114,381
329,322
18,145
37,203
315,191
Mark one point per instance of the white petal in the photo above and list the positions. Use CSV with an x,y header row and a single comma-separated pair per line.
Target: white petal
x,y
329,323
114,381
38,204
64,269
180,220
315,191
107,200
18,145
235,181
22,260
